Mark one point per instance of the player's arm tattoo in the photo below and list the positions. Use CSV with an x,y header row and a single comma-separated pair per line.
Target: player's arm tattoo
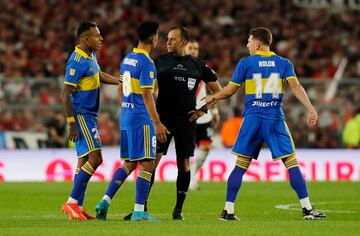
x,y
68,89
120,93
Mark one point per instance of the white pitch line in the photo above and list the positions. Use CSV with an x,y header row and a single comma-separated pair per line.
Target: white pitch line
x,y
295,207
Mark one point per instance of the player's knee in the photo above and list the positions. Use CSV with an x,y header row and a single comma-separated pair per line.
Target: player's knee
x,y
130,166
97,161
147,165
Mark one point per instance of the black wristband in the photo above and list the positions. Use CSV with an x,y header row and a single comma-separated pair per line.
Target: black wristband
x,y
204,109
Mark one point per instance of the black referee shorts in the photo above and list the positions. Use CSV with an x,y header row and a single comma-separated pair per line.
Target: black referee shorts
x,y
204,133
184,133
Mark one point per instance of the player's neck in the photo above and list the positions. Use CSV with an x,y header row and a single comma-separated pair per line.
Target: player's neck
x,y
143,46
86,49
264,49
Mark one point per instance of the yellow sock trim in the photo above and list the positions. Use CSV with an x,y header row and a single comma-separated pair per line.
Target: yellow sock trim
x,y
243,163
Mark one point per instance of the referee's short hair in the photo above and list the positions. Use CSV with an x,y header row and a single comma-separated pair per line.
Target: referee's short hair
x,y
84,27
185,35
146,30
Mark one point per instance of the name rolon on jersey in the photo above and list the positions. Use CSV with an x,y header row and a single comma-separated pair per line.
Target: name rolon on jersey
x,y
266,63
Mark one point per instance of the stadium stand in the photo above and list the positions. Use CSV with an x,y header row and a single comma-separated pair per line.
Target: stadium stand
x,y
35,38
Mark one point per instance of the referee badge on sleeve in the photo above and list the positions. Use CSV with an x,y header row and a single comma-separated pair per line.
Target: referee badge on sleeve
x,y
72,72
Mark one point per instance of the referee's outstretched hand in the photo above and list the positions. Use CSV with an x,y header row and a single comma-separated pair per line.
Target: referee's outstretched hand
x,y
161,132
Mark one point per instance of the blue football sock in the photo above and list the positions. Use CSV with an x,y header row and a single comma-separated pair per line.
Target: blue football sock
x,y
118,178
142,186
297,182
234,183
82,196
81,180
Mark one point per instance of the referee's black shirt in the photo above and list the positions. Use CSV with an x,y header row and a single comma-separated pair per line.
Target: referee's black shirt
x,y
178,79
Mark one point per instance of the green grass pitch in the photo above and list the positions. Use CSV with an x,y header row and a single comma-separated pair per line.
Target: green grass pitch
x,y
34,209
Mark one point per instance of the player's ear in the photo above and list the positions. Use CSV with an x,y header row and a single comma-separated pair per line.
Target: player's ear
x,y
152,40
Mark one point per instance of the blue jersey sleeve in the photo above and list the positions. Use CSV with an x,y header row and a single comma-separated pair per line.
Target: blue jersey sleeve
x,y
238,76
289,72
147,75
73,73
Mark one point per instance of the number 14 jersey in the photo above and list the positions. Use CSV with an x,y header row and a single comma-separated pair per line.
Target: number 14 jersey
x,y
137,71
264,75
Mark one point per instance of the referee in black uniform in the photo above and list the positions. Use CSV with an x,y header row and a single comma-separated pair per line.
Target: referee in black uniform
x,y
178,76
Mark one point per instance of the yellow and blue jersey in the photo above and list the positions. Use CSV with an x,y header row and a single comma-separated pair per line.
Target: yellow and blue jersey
x,y
264,75
137,71
82,72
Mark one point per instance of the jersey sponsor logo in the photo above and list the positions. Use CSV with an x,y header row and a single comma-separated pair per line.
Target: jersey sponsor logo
x,y
191,83
179,78
127,105
179,67
266,63
129,61
72,71
264,104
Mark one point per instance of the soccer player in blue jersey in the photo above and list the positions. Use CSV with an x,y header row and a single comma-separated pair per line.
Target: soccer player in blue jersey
x,y
264,75
140,124
81,103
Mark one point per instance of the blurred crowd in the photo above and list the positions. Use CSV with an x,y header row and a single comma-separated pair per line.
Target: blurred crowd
x,y
37,37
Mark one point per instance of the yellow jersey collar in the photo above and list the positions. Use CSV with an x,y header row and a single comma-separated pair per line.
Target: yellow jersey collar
x,y
266,54
139,50
82,53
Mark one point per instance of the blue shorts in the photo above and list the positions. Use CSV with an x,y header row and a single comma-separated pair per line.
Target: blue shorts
x,y
256,130
138,144
89,139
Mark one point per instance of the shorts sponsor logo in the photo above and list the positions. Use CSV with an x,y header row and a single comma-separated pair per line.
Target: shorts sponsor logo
x,y
264,104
